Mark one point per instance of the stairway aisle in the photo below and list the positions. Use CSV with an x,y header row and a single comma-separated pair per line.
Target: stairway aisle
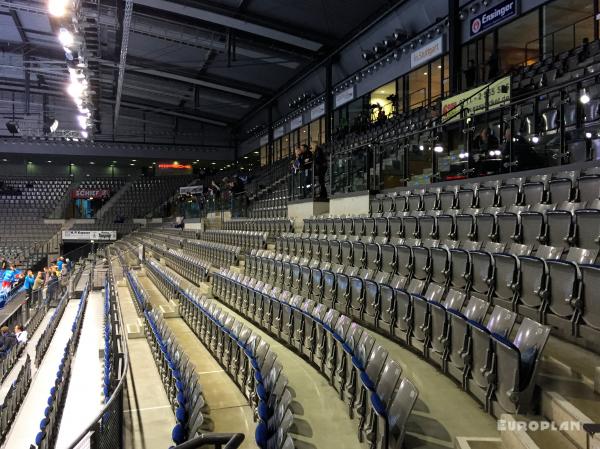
x,y
84,396
147,416
229,409
27,423
29,349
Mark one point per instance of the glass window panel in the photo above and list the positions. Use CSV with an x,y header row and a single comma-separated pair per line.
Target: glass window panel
x,y
518,42
566,23
314,131
436,79
383,99
303,132
417,87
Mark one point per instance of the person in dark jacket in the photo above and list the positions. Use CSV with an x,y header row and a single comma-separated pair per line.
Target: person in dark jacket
x,y
7,340
320,161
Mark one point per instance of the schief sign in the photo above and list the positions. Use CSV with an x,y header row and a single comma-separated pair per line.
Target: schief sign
x,y
88,194
427,52
278,132
493,16
89,235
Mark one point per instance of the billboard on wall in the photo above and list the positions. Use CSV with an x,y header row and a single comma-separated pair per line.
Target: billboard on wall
x,y
73,234
427,52
493,16
88,194
473,101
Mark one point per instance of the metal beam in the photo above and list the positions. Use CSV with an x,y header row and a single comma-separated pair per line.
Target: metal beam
x,y
184,37
122,60
232,22
25,40
188,80
144,107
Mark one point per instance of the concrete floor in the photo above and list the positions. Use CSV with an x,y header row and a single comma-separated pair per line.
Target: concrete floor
x,y
84,397
27,422
148,417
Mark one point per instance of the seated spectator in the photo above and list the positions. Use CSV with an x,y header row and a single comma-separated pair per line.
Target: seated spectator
x,y
7,340
20,334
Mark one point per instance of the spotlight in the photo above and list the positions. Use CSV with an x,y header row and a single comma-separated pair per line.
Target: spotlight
x,y
588,135
367,55
463,155
65,37
82,120
12,127
438,148
421,147
57,8
535,139
585,98
399,35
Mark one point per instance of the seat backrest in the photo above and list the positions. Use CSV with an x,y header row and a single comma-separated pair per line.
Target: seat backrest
x,y
590,286
589,188
501,321
390,376
588,228
398,412
376,362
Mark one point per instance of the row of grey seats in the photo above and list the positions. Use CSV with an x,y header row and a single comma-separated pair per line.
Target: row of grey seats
x,y
440,321
565,225
243,239
248,359
358,367
273,226
570,186
543,287
217,254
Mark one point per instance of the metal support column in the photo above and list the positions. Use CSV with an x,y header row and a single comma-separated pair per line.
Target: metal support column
x,y
454,45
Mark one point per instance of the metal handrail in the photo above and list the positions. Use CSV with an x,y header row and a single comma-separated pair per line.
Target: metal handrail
x,y
229,440
119,386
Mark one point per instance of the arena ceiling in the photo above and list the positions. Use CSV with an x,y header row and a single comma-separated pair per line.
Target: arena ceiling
x,y
185,71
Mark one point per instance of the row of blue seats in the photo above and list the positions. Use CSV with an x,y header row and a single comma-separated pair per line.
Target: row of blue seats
x,y
244,356
14,398
178,375
50,423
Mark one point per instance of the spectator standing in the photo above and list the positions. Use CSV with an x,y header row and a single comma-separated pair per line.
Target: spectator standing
x,y
20,334
585,50
320,168
28,284
493,66
39,281
470,74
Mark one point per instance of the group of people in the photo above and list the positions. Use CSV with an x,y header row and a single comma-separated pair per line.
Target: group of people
x,y
48,277
307,158
9,339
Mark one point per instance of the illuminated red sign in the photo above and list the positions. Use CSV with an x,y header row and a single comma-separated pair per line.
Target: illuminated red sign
x,y
175,166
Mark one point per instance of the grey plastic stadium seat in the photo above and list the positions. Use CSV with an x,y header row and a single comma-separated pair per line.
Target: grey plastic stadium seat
x,y
589,188
381,396
427,226
564,290
402,313
390,427
420,316
480,361
533,287
456,360
589,329
587,223
517,363
534,226
346,350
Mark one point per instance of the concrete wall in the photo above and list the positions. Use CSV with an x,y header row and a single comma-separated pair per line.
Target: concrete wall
x,y
349,205
298,211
